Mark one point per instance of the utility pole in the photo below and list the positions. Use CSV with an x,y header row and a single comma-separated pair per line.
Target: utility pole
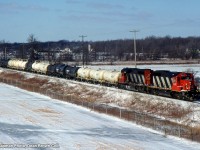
x,y
49,53
83,54
135,31
22,51
5,53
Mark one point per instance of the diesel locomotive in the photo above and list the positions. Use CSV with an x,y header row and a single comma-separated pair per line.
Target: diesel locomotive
x,y
179,85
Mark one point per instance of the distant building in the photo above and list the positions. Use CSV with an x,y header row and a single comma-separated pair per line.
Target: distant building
x,y
77,56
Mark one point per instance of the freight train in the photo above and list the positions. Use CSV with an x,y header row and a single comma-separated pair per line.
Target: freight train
x,y
179,85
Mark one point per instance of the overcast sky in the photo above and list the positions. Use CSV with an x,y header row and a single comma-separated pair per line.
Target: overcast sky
x,y
53,20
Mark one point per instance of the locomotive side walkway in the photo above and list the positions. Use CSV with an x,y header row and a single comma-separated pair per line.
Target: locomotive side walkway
x,y
30,118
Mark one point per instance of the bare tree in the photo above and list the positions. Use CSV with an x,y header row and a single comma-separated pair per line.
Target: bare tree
x,y
32,44
2,41
31,38
3,47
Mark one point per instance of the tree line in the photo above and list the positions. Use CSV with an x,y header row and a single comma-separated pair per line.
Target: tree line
x,y
148,48
154,47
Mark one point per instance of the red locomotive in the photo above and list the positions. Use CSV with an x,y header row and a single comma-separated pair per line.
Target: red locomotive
x,y
178,85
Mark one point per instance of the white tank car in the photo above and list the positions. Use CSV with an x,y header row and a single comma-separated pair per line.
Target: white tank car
x,y
23,64
14,63
111,77
92,74
43,67
34,66
84,73
40,67
97,75
11,63
17,64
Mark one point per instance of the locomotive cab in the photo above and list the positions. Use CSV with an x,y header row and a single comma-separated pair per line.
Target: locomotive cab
x,y
183,82
188,82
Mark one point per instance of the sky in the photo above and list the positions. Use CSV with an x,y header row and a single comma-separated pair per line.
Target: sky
x,y
53,20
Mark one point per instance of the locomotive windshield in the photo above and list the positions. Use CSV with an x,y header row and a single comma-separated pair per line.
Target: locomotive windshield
x,y
186,77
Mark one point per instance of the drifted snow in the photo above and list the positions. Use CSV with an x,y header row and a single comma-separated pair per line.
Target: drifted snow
x,y
30,118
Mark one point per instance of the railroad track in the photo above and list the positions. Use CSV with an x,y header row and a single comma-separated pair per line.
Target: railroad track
x,y
21,71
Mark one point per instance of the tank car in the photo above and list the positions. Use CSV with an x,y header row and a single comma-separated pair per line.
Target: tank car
x,y
51,69
40,67
11,63
97,76
56,70
43,67
71,72
16,64
22,64
111,77
59,69
84,74
4,63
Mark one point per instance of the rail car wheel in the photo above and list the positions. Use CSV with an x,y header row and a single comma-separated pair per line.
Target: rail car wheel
x,y
172,95
155,92
178,95
149,91
185,96
140,89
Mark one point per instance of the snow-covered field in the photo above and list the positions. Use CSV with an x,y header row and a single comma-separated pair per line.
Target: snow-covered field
x,y
30,118
166,108
182,67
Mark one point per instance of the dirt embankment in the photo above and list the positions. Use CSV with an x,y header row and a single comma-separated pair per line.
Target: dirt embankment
x,y
84,92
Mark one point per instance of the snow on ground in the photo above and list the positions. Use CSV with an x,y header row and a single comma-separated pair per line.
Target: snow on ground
x,y
181,67
30,118
132,100
183,112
